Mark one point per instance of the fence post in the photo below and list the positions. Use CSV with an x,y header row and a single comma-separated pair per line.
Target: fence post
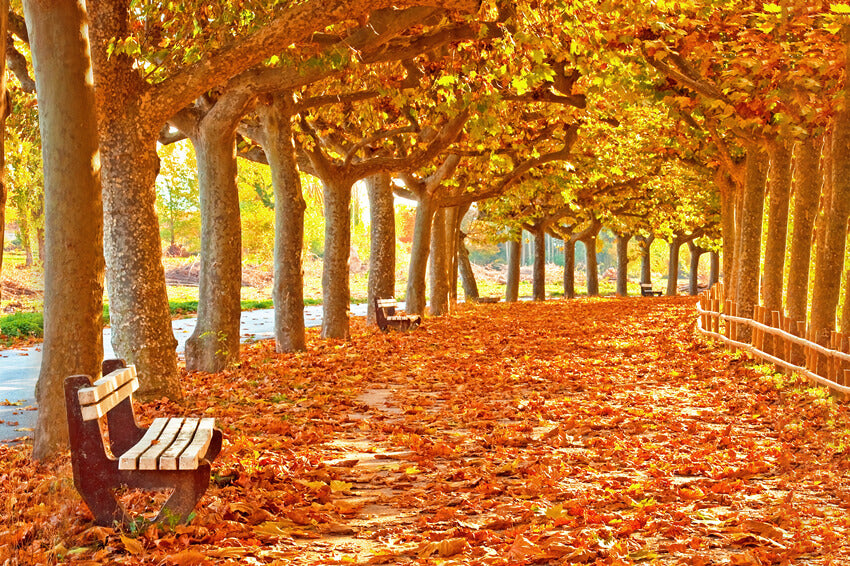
x,y
778,345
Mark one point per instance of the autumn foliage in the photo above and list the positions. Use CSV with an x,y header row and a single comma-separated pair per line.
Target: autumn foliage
x,y
581,432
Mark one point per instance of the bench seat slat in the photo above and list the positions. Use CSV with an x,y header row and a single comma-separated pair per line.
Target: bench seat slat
x,y
150,457
168,459
129,459
190,457
105,385
99,409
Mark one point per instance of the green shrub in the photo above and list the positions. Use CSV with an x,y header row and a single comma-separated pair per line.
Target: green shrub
x,y
22,325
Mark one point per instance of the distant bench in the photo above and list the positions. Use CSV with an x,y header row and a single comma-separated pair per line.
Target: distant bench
x,y
386,317
646,290
174,453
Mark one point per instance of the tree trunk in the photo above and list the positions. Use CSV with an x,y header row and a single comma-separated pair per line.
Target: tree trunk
x,y
538,281
381,283
570,268
845,312
806,196
693,275
467,276
777,224
438,268
623,264
514,258
214,344
289,206
24,233
138,301
673,267
728,191
592,264
453,218
830,257
4,113
714,268
415,302
645,259
73,276
750,233
39,238
336,295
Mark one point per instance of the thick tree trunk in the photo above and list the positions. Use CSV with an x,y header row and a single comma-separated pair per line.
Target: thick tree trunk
x,y
673,267
438,268
514,259
570,268
467,276
645,259
453,218
288,289
24,233
727,190
830,256
806,196
336,296
39,238
750,233
623,264
214,344
381,283
714,268
777,224
415,302
73,276
693,275
592,265
538,281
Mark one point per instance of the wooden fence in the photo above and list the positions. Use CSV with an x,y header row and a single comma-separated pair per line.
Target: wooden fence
x,y
774,338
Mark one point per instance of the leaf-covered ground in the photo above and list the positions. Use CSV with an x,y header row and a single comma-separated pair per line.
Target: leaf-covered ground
x,y
581,432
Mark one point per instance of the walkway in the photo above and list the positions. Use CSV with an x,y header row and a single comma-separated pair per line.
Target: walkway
x,y
19,368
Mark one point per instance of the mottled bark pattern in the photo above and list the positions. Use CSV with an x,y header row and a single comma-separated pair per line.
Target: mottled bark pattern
x,y
623,264
514,258
73,276
777,224
467,276
214,344
419,251
570,268
438,266
336,295
714,268
830,258
288,286
589,238
806,196
727,227
381,284
750,232
673,267
645,263
538,278
693,271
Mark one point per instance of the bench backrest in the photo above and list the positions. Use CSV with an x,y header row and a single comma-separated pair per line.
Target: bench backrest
x,y
107,392
386,303
646,285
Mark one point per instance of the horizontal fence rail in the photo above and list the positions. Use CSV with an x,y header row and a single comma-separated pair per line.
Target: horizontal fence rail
x,y
774,338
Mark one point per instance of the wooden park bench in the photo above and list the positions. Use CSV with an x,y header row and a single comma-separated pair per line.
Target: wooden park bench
x,y
646,290
386,317
174,453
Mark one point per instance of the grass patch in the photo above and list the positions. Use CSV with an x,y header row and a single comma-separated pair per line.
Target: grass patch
x,y
22,325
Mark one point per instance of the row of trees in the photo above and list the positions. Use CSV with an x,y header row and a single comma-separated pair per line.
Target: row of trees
x,y
651,119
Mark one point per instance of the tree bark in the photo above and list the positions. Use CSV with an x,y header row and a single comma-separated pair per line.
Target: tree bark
x,y
453,219
514,258
750,233
830,256
693,275
467,275
727,189
415,302
806,196
673,267
381,284
336,295
714,269
438,268
214,344
645,259
623,264
538,281
589,241
4,113
73,276
288,289
570,268
24,233
777,224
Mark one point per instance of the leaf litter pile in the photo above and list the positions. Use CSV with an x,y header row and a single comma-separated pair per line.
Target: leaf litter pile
x,y
582,432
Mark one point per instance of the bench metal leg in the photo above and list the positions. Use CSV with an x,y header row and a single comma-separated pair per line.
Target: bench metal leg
x,y
103,505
